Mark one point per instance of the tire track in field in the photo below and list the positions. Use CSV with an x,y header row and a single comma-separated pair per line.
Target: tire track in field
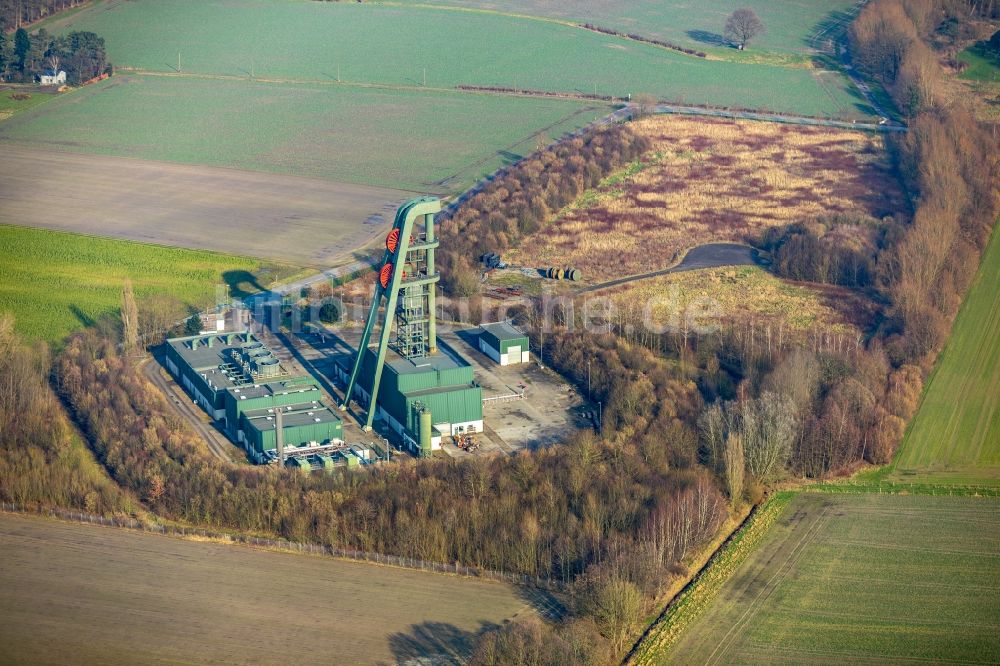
x,y
771,585
880,658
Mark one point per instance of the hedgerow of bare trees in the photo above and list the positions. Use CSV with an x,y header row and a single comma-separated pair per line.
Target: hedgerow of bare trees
x,y
41,460
522,199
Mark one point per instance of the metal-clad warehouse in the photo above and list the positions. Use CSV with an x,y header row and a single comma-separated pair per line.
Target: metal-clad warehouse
x,y
297,391
441,384
301,426
504,343
199,363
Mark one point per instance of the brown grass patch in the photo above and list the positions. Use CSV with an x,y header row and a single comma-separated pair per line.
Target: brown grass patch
x,y
711,180
736,295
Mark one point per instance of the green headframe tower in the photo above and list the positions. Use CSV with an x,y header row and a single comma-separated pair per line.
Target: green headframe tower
x,y
408,281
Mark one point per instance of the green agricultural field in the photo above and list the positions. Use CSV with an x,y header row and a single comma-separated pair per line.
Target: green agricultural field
x,y
442,48
55,282
860,579
409,140
982,64
790,26
955,436
11,102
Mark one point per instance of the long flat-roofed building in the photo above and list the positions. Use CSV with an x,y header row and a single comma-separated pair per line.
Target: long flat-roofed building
x,y
240,383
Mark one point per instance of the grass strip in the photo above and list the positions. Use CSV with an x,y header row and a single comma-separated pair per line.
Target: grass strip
x,y
705,586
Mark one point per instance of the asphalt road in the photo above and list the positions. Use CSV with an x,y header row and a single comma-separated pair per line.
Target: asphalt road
x,y
711,255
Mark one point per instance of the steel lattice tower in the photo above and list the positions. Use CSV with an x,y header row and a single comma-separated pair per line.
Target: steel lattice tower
x,y
407,280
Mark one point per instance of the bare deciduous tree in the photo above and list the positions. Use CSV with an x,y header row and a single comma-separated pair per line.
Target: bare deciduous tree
x,y
768,426
130,318
644,104
742,26
735,467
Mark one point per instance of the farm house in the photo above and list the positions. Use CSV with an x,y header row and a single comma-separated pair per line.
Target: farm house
x,y
51,77
504,343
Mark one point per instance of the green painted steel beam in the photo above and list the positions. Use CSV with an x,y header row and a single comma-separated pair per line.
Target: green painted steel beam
x,y
406,215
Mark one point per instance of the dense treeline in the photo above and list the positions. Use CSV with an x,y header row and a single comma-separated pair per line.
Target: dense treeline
x,y
17,13
25,57
948,163
840,250
611,518
520,200
892,41
41,459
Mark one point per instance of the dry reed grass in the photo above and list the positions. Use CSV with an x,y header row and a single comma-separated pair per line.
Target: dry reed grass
x,y
711,180
746,294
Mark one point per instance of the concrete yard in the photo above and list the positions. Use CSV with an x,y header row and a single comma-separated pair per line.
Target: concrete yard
x,y
550,411
304,221
139,598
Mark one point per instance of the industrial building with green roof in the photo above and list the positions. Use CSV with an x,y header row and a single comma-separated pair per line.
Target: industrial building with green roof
x,y
504,343
441,385
240,383
301,426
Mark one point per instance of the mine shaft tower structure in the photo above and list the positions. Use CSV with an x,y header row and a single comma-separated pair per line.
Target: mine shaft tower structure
x,y
407,279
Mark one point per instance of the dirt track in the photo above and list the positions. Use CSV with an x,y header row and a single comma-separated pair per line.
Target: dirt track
x,y
305,221
87,594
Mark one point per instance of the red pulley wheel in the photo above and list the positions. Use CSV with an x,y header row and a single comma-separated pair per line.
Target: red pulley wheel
x,y
392,240
385,275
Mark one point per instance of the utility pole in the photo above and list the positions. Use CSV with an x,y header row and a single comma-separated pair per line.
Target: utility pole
x,y
600,418
425,77
588,380
251,68
338,72
178,62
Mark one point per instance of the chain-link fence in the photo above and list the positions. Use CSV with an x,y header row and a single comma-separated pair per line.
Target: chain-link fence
x,y
543,583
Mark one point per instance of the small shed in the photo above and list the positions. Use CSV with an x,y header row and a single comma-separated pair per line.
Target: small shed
x,y
51,77
504,343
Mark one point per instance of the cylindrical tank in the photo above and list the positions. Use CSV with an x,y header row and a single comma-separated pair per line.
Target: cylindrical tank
x,y
575,274
550,272
268,367
425,433
559,274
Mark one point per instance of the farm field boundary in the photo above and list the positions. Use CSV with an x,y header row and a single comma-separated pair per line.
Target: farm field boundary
x,y
305,221
791,29
190,601
285,546
402,45
409,140
691,602
859,577
954,438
